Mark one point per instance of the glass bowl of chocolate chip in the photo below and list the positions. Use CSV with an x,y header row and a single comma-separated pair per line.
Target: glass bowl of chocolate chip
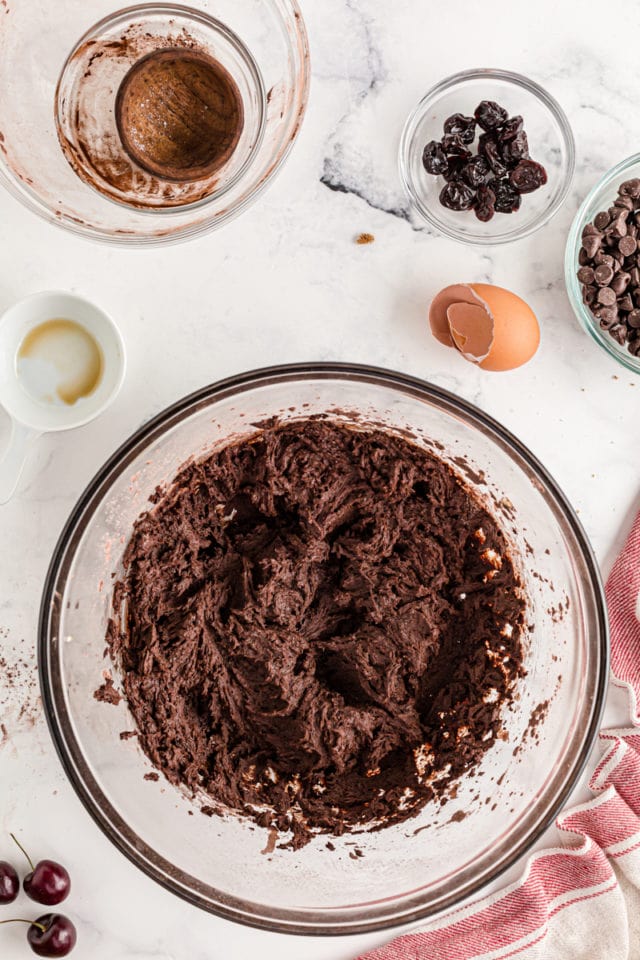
x,y
487,156
602,263
323,649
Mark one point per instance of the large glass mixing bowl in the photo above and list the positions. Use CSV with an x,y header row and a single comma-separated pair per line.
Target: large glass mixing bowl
x,y
409,870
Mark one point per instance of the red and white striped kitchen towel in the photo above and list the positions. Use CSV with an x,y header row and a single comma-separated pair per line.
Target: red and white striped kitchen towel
x,y
580,901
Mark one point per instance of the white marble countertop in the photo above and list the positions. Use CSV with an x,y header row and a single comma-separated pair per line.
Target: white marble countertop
x,y
286,282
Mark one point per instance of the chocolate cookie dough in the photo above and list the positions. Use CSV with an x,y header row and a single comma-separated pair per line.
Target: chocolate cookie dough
x,y
179,114
318,627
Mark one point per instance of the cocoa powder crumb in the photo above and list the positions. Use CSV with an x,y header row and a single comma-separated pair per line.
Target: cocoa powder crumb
x,y
271,841
106,692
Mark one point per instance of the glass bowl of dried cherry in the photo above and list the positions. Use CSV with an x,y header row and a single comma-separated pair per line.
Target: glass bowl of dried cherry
x,y
487,156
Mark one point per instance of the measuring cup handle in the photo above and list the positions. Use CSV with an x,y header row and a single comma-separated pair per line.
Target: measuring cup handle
x,y
13,461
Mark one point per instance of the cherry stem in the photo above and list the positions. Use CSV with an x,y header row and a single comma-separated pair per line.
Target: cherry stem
x,y
32,923
18,844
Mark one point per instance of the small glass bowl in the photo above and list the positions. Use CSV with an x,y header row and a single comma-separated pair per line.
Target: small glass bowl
x,y
265,46
600,197
85,104
550,140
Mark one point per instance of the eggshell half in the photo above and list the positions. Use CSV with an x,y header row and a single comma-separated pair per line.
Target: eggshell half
x,y
471,330
516,332
438,320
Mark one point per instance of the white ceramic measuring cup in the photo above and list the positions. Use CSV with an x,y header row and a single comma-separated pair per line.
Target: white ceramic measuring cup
x,y
30,416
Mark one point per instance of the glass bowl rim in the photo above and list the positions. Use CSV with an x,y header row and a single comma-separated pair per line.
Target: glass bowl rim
x,y
30,200
518,80
574,241
287,920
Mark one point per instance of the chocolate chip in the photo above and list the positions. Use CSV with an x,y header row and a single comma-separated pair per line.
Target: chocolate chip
x,y
601,220
618,228
590,230
630,188
634,347
632,230
623,203
620,282
591,244
634,273
619,332
625,303
583,257
627,245
602,257
607,316
589,295
586,275
606,296
634,319
603,274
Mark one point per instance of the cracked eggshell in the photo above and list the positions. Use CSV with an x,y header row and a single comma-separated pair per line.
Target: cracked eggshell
x,y
471,329
438,320
516,332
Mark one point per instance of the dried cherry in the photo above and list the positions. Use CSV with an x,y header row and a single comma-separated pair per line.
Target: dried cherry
x,y
528,176
453,146
507,197
515,149
476,171
511,128
455,168
434,158
490,114
457,195
494,158
465,127
484,207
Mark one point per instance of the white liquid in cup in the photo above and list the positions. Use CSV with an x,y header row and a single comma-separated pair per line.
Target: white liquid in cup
x,y
59,362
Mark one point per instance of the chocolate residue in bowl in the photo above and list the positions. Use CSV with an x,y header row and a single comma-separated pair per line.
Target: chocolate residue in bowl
x,y
179,114
106,692
312,634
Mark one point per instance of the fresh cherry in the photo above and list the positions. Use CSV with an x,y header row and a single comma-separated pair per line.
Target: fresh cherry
x,y
9,883
48,882
51,935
